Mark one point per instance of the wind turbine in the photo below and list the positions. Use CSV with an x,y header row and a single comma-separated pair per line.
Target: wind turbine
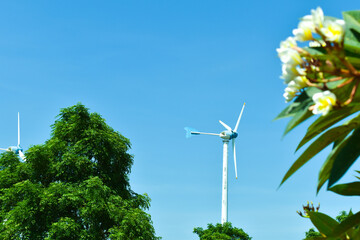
x,y
16,149
228,134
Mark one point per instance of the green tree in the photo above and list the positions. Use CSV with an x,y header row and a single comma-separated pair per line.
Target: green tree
x,y
221,232
311,233
343,216
74,186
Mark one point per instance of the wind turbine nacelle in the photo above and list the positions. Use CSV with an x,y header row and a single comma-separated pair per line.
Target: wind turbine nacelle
x,y
15,149
228,135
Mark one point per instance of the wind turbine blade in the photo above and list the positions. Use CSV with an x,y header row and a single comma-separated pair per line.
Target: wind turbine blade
x,y
18,129
22,155
234,150
198,133
189,131
225,126
4,149
192,131
238,121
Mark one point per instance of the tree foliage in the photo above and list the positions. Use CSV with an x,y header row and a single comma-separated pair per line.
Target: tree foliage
x,y
221,232
323,78
311,233
74,186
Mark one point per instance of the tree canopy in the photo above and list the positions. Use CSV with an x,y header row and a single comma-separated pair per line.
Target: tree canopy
x,y
221,232
74,186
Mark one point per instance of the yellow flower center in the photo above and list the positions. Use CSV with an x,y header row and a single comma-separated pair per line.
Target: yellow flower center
x,y
307,34
335,31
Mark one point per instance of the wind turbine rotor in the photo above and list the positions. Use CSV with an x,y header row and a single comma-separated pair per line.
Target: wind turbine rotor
x,y
238,121
225,126
234,151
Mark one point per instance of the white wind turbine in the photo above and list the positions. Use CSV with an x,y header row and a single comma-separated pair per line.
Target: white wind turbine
x,y
226,136
16,149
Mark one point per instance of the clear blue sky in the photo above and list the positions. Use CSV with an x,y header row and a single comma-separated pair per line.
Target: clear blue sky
x,y
150,68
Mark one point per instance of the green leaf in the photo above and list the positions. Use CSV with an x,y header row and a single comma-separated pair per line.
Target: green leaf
x,y
352,124
316,51
347,189
355,234
324,122
355,61
352,31
326,167
299,104
348,153
340,139
347,224
319,144
323,222
297,119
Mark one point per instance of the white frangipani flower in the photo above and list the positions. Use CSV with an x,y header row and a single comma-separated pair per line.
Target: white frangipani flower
x,y
290,57
289,72
294,87
299,82
308,25
290,93
317,17
324,102
333,30
286,45
305,29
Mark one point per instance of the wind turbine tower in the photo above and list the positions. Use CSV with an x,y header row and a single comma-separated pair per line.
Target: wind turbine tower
x,y
16,149
227,135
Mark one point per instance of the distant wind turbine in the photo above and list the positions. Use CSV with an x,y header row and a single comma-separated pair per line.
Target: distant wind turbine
x,y
228,134
16,149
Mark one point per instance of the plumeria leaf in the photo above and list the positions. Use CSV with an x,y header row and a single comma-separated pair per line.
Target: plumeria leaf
x,y
353,123
350,212
303,112
316,238
353,58
340,139
310,91
319,144
298,105
323,222
352,31
348,153
348,223
315,51
355,234
347,189
326,167
324,122
297,119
